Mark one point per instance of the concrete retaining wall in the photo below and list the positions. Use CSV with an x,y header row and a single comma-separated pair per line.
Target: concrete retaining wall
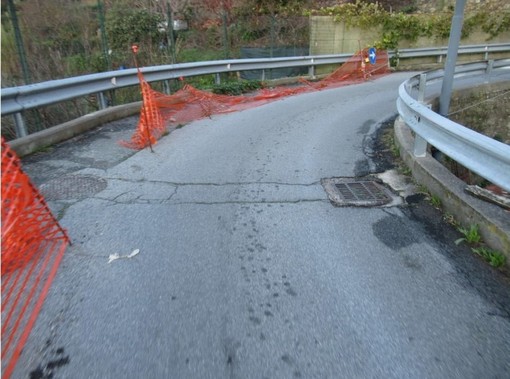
x,y
36,141
492,220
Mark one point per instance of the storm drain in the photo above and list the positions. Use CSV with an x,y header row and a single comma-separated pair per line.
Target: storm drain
x,y
72,187
360,192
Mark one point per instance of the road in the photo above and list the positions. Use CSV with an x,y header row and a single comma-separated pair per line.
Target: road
x,y
246,270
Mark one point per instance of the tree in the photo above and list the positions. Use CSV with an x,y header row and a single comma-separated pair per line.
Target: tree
x,y
126,26
222,8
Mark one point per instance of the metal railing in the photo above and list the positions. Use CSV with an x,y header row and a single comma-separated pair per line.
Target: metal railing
x,y
18,99
31,96
440,52
482,155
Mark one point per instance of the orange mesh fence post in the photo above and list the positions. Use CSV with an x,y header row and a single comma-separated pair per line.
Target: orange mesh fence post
x,y
151,125
33,244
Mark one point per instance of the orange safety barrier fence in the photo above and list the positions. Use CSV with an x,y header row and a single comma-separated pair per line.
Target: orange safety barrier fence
x,y
190,104
33,244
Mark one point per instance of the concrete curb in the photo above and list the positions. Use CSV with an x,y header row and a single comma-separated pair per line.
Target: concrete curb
x,y
36,141
494,222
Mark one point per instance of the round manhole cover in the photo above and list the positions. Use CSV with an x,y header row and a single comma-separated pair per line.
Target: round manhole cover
x,y
73,187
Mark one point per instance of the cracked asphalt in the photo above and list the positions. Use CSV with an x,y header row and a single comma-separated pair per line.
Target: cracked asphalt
x,y
245,269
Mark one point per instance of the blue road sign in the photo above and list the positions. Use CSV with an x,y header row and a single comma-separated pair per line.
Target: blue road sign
x,y
371,55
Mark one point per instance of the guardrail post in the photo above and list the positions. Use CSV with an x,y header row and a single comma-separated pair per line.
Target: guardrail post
x,y
311,70
421,87
166,87
19,126
488,70
486,57
103,104
420,146
217,79
263,75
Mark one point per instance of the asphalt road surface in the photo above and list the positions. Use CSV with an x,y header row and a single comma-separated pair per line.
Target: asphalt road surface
x,y
245,269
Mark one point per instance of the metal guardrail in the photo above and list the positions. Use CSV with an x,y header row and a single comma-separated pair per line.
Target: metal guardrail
x,y
441,51
31,96
483,155
18,99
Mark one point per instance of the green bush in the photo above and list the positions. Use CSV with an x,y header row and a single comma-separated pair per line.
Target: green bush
x,y
199,55
237,88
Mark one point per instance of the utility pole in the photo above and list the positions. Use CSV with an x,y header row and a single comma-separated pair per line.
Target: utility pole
x,y
19,42
451,58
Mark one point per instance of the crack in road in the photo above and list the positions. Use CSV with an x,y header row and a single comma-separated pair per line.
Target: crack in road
x,y
158,202
182,184
128,191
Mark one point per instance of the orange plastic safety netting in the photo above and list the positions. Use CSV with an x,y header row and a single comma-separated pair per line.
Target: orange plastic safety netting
x,y
188,104
33,244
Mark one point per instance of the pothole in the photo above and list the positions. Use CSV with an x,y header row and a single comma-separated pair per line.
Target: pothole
x,y
359,192
72,187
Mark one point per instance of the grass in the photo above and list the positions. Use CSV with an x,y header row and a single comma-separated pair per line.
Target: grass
x,y
389,140
471,235
405,170
422,189
494,257
395,150
435,201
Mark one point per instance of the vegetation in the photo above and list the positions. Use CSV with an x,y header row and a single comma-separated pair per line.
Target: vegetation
x,y
471,235
403,26
63,38
435,201
237,87
495,258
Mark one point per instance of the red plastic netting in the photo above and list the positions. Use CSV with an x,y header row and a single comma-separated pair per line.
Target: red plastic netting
x,y
33,244
188,104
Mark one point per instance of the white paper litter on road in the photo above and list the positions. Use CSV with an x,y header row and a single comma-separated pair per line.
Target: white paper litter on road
x,y
114,257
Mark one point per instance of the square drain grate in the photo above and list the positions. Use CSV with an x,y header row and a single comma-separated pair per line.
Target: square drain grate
x,y
361,192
